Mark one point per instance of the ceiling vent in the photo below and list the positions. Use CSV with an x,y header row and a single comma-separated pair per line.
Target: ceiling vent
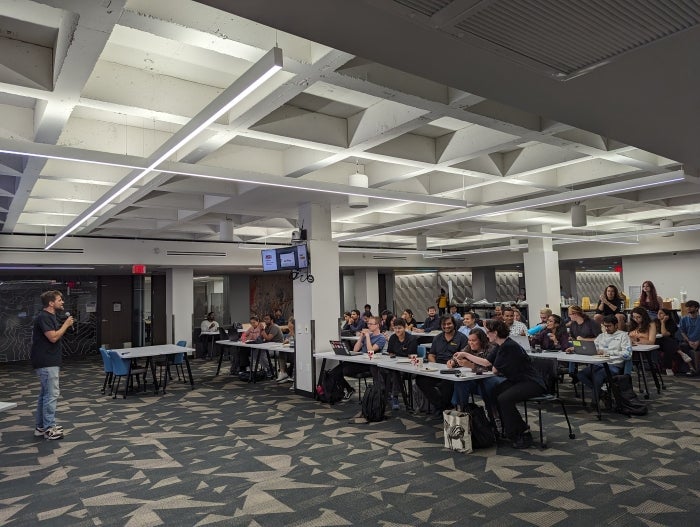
x,y
560,39
195,253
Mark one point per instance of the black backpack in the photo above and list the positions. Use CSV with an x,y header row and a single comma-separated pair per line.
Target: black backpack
x,y
373,404
330,388
481,429
627,401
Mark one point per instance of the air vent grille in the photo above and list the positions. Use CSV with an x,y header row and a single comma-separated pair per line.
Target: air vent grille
x,y
195,253
425,7
39,250
376,257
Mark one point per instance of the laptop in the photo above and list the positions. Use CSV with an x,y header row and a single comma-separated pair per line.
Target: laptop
x,y
585,347
340,349
523,340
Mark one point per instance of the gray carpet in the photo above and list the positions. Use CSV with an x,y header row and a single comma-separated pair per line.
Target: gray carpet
x,y
230,453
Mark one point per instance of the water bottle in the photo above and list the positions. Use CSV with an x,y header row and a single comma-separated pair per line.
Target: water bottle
x,y
684,295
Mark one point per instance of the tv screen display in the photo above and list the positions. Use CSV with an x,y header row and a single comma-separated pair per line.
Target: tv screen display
x,y
285,258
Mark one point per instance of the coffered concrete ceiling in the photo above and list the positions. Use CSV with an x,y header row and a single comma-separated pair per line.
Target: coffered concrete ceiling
x,y
459,126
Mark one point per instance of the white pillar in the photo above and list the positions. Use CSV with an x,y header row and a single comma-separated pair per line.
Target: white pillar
x,y
179,304
541,273
367,289
316,304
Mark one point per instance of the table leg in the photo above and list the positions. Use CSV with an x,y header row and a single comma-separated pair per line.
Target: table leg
x,y
644,375
221,358
153,373
189,370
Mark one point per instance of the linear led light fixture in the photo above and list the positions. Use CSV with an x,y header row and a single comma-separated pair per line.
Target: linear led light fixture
x,y
397,252
43,268
246,84
496,249
565,197
554,236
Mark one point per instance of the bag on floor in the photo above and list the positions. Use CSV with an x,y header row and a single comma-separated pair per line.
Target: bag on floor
x,y
456,431
480,427
331,388
420,401
627,401
373,404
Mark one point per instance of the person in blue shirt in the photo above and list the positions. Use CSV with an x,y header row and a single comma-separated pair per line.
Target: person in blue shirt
x,y
690,332
357,324
432,323
456,315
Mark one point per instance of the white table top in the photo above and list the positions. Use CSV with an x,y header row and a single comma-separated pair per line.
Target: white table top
x,y
7,406
429,369
273,346
152,351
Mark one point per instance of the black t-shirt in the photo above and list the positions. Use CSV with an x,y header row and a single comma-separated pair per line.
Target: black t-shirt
x,y
444,349
409,346
512,362
588,330
604,309
431,324
45,353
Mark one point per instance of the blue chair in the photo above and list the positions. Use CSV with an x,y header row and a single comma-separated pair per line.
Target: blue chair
x,y
122,368
107,362
422,351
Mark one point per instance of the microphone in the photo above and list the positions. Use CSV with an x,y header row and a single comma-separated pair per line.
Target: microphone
x,y
67,313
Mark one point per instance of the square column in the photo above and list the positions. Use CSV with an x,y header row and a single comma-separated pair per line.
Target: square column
x,y
541,265
367,289
317,304
179,305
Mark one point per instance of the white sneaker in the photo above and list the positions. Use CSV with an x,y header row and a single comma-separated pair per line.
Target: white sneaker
x,y
53,433
39,432
282,377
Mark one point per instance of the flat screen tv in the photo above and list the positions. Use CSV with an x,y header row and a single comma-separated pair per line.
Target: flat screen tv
x,y
285,258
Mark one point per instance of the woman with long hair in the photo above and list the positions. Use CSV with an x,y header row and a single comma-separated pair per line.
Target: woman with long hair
x,y
672,356
522,382
642,329
650,300
554,336
411,323
611,303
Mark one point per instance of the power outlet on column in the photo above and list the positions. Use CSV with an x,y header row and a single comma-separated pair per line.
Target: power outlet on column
x,y
306,329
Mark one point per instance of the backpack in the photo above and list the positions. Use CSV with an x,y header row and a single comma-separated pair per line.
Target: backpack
x,y
330,388
420,401
373,404
480,427
627,401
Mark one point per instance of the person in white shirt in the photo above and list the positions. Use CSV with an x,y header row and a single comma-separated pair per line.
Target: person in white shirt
x,y
516,328
612,342
209,324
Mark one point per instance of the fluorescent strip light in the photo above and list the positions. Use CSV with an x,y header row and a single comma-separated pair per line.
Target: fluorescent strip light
x,y
391,252
271,63
568,237
500,248
573,195
43,268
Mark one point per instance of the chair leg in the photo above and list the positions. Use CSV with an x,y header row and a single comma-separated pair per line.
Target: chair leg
x,y
104,384
116,390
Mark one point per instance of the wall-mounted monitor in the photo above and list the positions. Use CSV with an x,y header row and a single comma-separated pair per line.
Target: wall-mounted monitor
x,y
285,258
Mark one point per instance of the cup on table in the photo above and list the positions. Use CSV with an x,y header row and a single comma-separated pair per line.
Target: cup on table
x,y
414,359
370,354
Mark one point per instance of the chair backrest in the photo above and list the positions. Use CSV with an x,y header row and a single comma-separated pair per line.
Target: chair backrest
x,y
106,360
421,350
181,343
119,366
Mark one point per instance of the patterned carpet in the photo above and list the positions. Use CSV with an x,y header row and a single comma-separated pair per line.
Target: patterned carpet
x,y
230,453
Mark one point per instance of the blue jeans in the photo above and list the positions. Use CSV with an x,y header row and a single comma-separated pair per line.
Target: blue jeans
x,y
594,376
48,396
484,387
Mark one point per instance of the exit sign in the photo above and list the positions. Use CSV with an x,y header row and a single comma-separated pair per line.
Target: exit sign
x,y
138,269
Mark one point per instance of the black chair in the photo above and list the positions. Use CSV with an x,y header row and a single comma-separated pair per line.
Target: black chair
x,y
548,370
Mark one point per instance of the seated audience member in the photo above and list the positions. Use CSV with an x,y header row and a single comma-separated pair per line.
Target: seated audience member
x,y
272,333
290,334
469,323
384,323
348,319
209,324
370,338
611,303
455,315
445,345
671,355
516,328
278,318
368,311
544,315
690,333
357,323
554,336
252,334
519,316
522,380
497,313
401,344
582,327
432,323
650,300
613,342
479,346
388,324
411,323
642,330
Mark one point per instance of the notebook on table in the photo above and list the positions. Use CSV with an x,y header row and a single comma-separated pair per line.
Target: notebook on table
x,y
340,349
585,347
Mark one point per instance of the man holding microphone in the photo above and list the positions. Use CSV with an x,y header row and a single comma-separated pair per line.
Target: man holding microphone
x,y
46,357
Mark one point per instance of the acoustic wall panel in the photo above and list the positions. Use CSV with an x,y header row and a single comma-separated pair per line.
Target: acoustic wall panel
x,y
593,283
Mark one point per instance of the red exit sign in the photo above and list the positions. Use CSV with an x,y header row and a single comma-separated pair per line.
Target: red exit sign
x,y
138,269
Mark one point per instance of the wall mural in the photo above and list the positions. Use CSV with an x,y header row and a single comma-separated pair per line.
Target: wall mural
x,y
21,303
269,292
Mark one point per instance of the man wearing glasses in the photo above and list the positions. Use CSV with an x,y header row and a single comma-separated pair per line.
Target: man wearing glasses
x,y
370,339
